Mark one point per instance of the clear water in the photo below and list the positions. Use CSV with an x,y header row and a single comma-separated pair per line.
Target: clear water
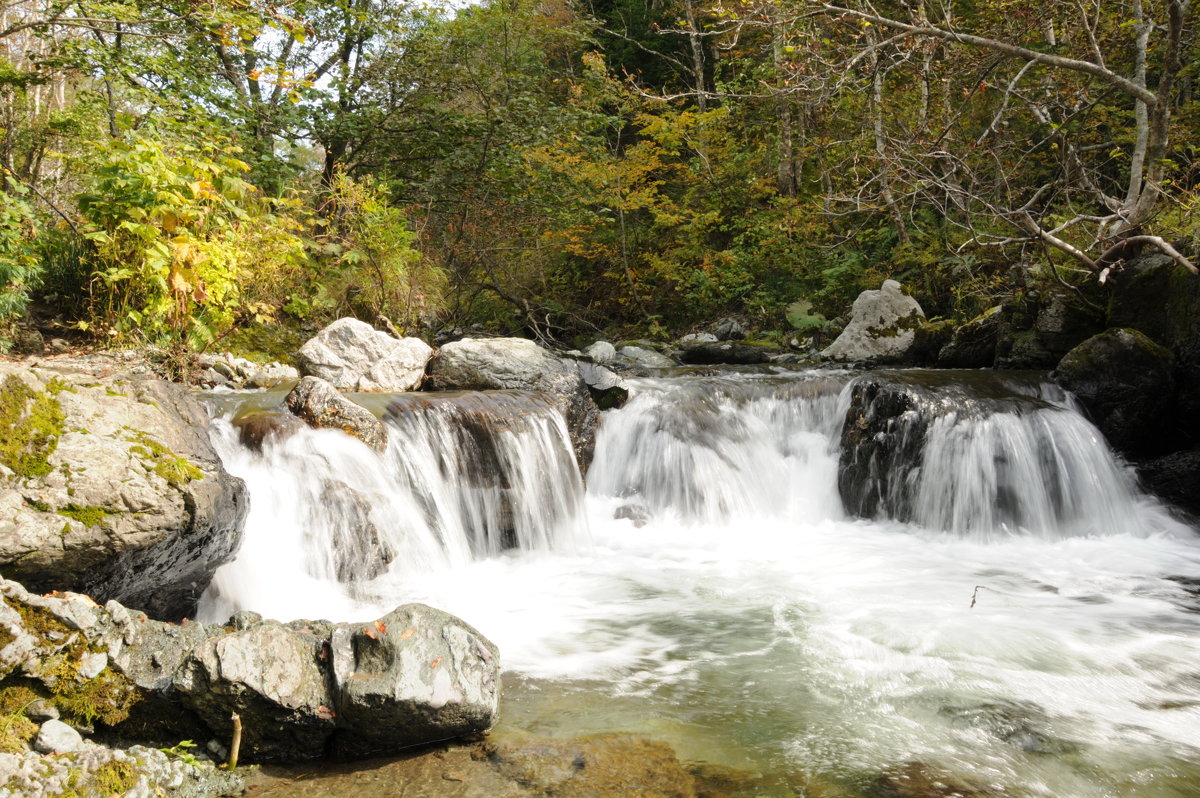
x,y
709,591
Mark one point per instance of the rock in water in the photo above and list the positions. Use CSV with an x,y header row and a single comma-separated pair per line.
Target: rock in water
x,y
415,675
111,486
642,356
881,327
601,352
517,363
714,353
1125,382
319,405
353,356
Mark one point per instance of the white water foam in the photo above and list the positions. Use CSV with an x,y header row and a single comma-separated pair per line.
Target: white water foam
x,y
738,614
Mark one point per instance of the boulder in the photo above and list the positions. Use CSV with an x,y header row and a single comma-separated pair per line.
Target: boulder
x,y
601,352
111,486
973,345
352,355
260,427
303,689
319,405
1125,382
1162,299
57,736
724,352
642,356
928,339
881,329
692,339
1175,478
517,363
415,675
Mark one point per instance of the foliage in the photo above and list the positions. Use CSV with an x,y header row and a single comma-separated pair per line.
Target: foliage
x,y
376,271
18,265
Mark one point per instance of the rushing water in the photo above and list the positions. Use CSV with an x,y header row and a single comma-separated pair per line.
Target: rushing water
x,y
1035,628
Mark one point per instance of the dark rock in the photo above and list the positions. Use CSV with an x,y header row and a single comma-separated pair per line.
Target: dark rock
x,y
928,339
27,341
1175,478
319,405
973,345
516,363
259,427
703,354
124,498
359,553
1162,299
1125,382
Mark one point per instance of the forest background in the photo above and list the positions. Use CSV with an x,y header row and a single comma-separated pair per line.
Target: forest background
x,y
187,172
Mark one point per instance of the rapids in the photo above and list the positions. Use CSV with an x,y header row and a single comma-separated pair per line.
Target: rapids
x,y
1033,625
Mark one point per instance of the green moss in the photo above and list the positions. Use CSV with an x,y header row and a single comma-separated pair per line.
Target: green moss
x,y
89,515
16,730
108,698
910,322
115,778
32,423
265,343
40,506
109,391
176,470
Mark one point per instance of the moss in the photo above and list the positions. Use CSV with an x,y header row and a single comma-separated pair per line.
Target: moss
x,y
89,515
910,322
266,343
115,777
110,392
40,506
108,698
16,730
32,422
176,470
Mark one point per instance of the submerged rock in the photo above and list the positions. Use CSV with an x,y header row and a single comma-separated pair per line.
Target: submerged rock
x,y
353,356
111,486
1174,477
881,329
517,363
319,405
1125,382
259,427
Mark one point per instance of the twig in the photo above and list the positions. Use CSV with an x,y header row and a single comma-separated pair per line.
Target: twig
x,y
236,742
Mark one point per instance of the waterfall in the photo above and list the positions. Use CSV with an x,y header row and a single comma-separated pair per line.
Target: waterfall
x,y
824,574
463,477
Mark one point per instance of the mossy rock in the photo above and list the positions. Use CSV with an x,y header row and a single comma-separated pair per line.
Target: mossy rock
x,y
32,421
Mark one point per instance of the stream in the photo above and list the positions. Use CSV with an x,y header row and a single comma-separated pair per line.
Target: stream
x,y
1029,622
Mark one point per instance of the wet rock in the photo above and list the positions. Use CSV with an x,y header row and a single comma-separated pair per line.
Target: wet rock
x,y
724,352
1021,725
319,405
517,363
928,340
881,329
260,427
415,675
1125,381
359,553
113,488
353,356
973,345
601,352
57,736
1175,478
606,386
648,358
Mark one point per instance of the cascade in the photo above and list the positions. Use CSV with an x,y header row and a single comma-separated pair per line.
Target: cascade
x,y
820,573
